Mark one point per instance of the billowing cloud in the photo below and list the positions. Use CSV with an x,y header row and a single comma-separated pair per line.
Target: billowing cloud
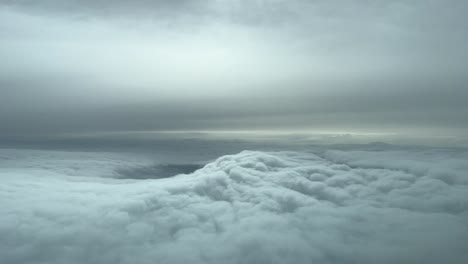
x,y
352,205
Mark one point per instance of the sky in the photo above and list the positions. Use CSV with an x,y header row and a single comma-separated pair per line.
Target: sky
x,y
233,131
107,66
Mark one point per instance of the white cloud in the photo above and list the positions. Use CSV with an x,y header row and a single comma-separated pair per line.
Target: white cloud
x,y
335,206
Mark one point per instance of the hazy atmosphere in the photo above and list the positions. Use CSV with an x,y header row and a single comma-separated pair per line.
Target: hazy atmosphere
x,y
236,131
85,66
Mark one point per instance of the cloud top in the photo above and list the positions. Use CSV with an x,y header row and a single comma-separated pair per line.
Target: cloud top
x,y
332,206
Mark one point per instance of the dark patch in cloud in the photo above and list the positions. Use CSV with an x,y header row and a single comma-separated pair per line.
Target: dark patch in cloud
x,y
177,12
157,171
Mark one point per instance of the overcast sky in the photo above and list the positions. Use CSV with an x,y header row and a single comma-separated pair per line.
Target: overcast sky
x,y
69,66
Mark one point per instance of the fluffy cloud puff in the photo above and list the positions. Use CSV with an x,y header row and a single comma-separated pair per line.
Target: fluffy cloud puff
x,y
331,206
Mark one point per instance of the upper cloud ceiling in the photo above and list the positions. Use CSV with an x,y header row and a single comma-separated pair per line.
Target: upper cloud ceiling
x,y
210,64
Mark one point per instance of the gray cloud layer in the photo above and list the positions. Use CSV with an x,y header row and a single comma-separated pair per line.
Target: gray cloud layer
x,y
389,205
84,66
